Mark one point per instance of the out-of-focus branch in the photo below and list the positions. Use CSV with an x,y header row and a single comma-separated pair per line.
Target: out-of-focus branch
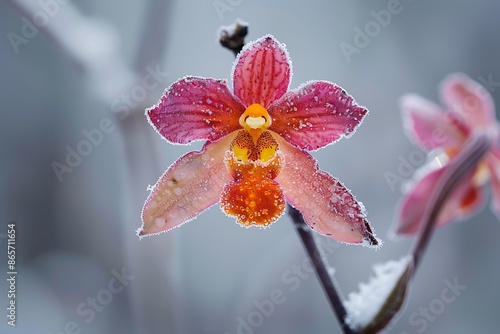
x,y
154,306
153,42
91,44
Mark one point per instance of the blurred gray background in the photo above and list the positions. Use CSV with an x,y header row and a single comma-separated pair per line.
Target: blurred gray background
x,y
76,234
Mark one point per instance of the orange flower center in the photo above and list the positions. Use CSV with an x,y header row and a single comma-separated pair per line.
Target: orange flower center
x,y
253,197
255,117
254,142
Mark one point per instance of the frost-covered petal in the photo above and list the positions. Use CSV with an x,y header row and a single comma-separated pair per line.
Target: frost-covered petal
x,y
196,108
192,184
468,99
462,201
429,126
316,114
326,205
262,72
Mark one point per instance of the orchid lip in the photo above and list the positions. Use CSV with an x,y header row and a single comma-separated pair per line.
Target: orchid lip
x,y
255,117
255,122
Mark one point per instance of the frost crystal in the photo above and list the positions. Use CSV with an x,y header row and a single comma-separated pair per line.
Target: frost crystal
x,y
363,306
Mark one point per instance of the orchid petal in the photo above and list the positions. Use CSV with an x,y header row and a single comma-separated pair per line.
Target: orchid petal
x,y
326,205
415,203
468,99
252,196
188,187
262,72
430,127
494,164
471,201
316,114
196,108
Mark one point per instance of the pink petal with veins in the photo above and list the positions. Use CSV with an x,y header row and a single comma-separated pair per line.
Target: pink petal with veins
x,y
192,184
429,126
326,205
316,114
262,72
468,99
196,108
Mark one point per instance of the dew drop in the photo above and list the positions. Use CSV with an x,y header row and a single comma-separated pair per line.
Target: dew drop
x,y
160,222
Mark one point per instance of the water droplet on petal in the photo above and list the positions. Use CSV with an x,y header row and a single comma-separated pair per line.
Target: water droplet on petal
x,y
160,222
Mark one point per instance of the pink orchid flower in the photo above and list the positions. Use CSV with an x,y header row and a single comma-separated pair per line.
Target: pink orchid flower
x,y
468,110
255,156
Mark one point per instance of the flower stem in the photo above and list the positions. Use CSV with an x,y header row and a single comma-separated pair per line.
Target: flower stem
x,y
458,170
328,281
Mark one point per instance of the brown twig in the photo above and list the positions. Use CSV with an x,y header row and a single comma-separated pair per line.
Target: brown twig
x,y
233,37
